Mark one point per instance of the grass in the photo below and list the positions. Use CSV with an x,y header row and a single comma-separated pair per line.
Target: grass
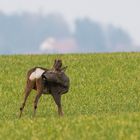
x,y
103,102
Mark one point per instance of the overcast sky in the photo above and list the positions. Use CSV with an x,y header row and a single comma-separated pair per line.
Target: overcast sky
x,y
124,13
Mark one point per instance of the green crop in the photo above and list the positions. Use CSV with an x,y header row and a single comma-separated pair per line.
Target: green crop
x,y
103,102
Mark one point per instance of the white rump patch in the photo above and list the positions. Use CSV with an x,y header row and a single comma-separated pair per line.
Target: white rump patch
x,y
36,74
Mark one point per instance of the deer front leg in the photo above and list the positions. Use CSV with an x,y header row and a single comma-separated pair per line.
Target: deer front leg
x,y
57,99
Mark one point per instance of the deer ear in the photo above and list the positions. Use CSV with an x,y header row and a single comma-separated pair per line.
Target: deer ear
x,y
44,77
64,68
54,63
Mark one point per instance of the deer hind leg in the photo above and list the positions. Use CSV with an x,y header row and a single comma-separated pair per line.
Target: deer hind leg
x,y
29,87
57,99
39,86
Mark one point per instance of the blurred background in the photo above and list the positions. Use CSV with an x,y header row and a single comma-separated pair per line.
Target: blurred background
x,y
69,26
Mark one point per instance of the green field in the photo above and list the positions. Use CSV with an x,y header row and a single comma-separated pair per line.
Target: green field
x,y
103,102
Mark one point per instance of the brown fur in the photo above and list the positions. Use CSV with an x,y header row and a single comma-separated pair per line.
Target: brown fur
x,y
53,87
